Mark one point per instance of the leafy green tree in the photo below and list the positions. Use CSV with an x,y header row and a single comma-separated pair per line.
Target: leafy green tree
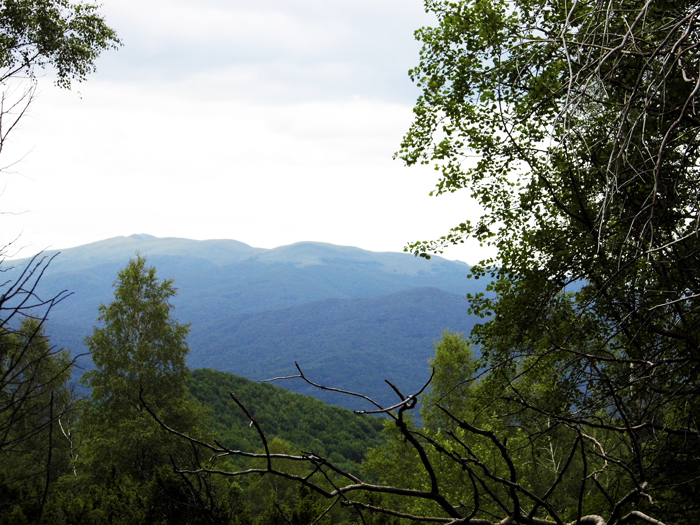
x,y
454,365
68,36
123,472
35,409
139,354
65,36
574,126
461,416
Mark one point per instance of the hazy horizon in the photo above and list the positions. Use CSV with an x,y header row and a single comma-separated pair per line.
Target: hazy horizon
x,y
270,124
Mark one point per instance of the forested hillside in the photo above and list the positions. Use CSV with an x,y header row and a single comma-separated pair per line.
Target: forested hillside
x,y
306,423
353,344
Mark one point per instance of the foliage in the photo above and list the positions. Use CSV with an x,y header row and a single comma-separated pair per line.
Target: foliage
x,y
305,422
35,406
34,400
454,365
461,419
69,36
63,35
139,356
574,126
164,499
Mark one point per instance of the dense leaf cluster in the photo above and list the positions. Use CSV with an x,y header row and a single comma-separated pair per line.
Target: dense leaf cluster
x,y
575,127
66,35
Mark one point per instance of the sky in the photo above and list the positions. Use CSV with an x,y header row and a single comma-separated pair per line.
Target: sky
x,y
268,122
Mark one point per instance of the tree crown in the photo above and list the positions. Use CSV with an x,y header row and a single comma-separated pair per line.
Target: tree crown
x,y
140,346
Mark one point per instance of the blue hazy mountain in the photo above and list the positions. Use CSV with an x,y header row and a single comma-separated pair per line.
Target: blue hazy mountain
x,y
343,312
352,344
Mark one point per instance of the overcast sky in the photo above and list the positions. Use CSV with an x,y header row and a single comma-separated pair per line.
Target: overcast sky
x,y
268,122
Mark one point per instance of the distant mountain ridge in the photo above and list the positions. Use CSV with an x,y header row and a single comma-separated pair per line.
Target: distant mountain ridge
x,y
256,306
236,278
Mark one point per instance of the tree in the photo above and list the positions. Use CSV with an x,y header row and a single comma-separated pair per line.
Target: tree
x,y
139,354
35,410
34,401
69,36
35,34
574,126
123,469
476,455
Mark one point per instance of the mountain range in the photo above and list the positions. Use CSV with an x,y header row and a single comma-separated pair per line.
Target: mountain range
x,y
350,317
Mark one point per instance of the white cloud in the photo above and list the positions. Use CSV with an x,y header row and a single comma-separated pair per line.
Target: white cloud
x,y
269,125
324,49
